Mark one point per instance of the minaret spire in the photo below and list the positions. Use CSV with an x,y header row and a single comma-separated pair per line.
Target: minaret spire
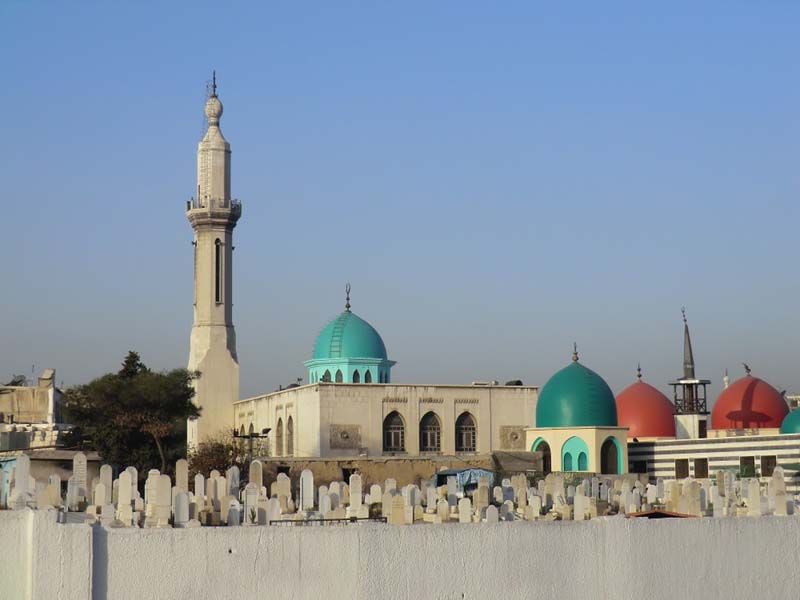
x,y
639,371
214,83
347,298
574,351
688,356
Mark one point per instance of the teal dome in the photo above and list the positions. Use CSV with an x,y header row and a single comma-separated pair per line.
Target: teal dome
x,y
576,397
349,336
791,422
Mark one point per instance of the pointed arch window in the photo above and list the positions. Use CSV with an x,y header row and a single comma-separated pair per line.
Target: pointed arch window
x,y
466,433
394,433
368,376
252,429
218,271
279,438
430,433
326,377
241,430
339,377
290,437
356,377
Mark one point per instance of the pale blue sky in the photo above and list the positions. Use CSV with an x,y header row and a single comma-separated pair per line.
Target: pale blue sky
x,y
495,182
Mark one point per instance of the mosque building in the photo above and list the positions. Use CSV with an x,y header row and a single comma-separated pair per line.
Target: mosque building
x,y
351,408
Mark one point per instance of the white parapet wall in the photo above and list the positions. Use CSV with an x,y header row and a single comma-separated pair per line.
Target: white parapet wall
x,y
617,558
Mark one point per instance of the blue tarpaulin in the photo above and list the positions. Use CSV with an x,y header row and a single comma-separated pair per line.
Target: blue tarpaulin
x,y
464,477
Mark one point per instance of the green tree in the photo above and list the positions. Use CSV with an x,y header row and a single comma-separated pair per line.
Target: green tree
x,y
132,366
133,417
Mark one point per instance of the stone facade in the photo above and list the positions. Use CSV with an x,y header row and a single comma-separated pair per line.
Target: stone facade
x,y
347,420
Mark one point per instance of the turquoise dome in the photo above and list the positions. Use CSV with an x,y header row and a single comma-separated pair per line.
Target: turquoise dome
x,y
576,397
349,336
791,422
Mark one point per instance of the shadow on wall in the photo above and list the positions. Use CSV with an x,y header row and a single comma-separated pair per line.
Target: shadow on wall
x,y
99,563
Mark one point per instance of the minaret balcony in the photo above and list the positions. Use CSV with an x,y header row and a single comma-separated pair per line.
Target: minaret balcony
x,y
213,211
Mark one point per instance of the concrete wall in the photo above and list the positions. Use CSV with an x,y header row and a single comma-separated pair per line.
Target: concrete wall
x,y
612,558
42,559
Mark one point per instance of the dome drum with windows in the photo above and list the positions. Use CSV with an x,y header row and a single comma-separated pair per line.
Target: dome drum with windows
x,y
349,350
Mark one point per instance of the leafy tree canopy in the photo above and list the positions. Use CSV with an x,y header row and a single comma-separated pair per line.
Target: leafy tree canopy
x,y
133,417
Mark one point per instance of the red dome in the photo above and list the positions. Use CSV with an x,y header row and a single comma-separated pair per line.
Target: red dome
x,y
645,411
748,403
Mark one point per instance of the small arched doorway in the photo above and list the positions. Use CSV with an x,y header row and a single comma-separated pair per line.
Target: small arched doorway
x,y
547,459
609,457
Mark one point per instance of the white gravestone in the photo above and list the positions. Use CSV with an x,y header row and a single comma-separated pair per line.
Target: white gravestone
x,y
79,473
492,515
255,473
465,510
306,490
182,475
355,491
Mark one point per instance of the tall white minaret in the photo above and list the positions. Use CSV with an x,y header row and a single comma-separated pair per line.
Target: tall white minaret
x,y
213,215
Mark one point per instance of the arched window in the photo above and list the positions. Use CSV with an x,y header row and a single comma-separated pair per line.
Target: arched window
x,y
356,377
547,460
290,437
466,434
326,376
252,429
394,433
241,430
218,271
279,438
583,462
610,457
430,430
338,376
567,462
570,454
368,376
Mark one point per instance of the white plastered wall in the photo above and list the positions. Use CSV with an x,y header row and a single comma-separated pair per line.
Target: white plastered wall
x,y
625,559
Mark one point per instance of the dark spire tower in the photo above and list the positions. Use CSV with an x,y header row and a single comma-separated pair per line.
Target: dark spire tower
x,y
689,392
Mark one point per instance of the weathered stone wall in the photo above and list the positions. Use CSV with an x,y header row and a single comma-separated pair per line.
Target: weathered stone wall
x,y
372,470
611,558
